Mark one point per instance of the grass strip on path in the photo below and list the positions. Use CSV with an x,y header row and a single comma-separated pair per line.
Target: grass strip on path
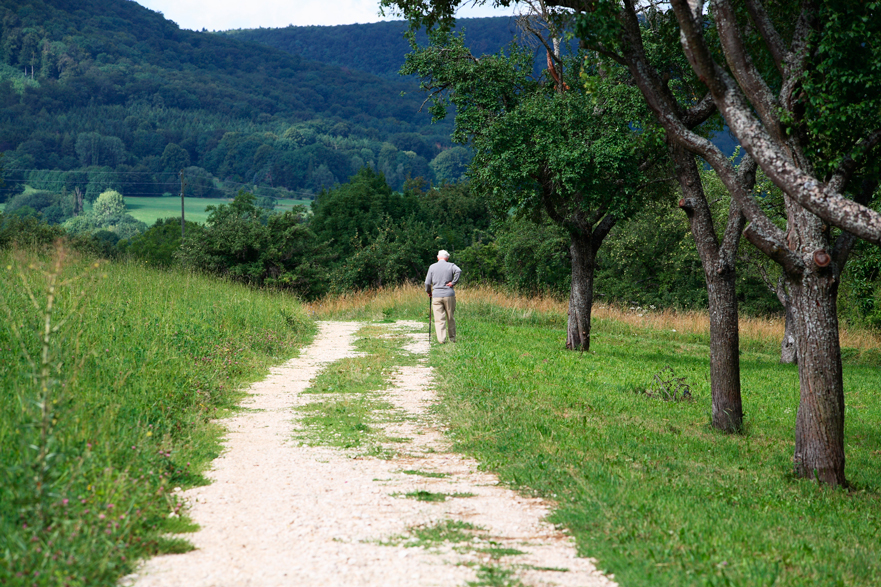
x,y
348,411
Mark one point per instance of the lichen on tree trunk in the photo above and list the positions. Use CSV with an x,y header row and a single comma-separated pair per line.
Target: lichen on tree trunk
x,y
819,427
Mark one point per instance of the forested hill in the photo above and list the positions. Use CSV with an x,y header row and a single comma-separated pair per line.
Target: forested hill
x,y
101,91
376,48
379,48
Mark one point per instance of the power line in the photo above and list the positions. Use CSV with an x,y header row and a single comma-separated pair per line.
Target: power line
x,y
14,186
171,173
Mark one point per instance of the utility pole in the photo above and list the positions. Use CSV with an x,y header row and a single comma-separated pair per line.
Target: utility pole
x,y
182,184
77,201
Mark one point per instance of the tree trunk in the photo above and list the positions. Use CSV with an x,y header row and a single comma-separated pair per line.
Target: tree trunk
x,y
819,427
789,348
583,255
724,351
719,271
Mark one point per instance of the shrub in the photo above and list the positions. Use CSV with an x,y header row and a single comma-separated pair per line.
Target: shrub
x,y
27,231
158,245
242,242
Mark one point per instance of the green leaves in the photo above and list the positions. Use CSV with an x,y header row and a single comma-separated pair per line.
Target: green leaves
x,y
599,26
842,84
580,147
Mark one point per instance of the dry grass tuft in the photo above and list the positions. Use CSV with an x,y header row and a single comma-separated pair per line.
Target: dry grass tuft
x,y
374,304
370,304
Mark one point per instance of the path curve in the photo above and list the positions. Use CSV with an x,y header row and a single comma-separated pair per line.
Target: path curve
x,y
280,514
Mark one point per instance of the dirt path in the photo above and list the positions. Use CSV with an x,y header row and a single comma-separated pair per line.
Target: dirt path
x,y
282,514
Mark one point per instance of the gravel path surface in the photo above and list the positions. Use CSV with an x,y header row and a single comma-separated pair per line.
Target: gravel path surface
x,y
278,513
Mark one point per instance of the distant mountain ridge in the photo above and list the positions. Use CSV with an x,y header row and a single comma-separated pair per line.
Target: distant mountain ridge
x,y
377,48
380,48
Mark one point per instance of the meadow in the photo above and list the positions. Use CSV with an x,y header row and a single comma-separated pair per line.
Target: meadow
x,y
112,376
149,210
640,480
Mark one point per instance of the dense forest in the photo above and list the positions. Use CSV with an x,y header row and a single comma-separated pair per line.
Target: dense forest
x,y
376,48
106,94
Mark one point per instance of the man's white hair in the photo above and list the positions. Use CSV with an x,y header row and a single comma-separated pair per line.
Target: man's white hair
x,y
443,254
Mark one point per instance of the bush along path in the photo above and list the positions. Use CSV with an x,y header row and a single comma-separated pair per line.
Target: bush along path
x,y
336,473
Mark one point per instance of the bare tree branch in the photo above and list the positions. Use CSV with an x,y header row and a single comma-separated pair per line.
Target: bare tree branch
x,y
766,28
700,112
746,176
745,72
601,230
796,58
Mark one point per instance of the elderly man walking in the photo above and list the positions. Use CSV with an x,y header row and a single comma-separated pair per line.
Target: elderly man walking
x,y
439,283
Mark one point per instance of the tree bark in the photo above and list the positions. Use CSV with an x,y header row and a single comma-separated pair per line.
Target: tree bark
x,y
788,347
819,427
754,117
720,274
583,256
724,351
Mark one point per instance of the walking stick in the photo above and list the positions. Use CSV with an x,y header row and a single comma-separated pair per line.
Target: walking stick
x,y
429,320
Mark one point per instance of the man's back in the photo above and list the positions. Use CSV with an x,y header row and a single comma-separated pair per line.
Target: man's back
x,y
439,275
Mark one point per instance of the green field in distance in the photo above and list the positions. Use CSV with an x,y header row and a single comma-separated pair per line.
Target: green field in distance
x,y
151,209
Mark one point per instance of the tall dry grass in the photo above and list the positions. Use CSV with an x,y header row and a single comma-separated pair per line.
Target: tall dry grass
x,y
382,303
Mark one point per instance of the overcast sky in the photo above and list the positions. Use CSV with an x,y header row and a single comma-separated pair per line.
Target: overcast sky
x,y
246,14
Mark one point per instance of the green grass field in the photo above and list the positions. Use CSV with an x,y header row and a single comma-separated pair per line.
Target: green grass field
x,y
646,486
111,375
149,210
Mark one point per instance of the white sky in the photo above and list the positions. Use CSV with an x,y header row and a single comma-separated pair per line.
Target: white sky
x,y
239,14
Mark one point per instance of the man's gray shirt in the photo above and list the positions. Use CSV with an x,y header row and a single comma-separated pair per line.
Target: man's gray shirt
x,y
439,275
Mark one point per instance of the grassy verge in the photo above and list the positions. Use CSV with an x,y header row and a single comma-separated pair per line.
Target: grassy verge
x,y
644,485
111,377
492,305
